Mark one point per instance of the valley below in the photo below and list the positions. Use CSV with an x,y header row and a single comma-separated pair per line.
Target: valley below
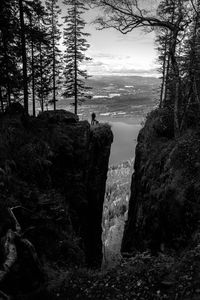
x,y
117,98
123,102
106,222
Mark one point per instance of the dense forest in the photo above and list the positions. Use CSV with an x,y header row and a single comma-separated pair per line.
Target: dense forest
x,y
33,68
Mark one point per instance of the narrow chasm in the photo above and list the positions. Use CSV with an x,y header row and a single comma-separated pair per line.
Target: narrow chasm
x,y
118,188
115,212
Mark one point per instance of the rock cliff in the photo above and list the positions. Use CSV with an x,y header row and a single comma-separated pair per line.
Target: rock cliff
x,y
53,172
164,208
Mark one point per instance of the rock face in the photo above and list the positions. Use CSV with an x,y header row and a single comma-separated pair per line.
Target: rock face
x,y
53,171
164,208
100,139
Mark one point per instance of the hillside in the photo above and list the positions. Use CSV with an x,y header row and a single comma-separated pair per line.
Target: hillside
x,y
118,97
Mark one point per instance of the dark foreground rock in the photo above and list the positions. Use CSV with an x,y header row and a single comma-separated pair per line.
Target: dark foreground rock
x,y
53,172
161,243
142,277
164,209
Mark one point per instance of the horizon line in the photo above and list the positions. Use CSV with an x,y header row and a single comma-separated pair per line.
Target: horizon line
x,y
155,75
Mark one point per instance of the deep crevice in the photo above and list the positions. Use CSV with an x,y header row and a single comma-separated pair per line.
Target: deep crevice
x,y
115,211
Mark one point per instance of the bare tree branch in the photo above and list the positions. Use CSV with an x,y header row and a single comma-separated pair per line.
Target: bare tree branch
x,y
194,7
119,12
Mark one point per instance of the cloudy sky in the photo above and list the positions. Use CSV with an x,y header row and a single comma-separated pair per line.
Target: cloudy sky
x,y
115,53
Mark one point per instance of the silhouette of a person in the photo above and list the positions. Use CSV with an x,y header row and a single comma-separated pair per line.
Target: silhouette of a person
x,y
94,121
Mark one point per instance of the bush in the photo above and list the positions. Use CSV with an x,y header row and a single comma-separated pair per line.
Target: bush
x,y
162,121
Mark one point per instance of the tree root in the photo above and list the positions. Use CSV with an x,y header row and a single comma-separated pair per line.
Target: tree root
x,y
4,296
10,250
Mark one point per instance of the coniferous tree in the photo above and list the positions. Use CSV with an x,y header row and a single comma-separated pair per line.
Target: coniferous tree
x,y
163,59
35,34
10,75
42,62
191,65
76,45
192,56
13,30
24,54
26,9
54,33
39,58
43,74
166,10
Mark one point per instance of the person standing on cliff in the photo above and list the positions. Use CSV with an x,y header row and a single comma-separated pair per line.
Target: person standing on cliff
x,y
94,121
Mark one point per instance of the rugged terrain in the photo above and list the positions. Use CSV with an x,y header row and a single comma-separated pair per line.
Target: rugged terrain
x,y
53,172
161,242
62,217
164,208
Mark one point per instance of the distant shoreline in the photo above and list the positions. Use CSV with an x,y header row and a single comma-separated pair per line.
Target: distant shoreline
x,y
144,75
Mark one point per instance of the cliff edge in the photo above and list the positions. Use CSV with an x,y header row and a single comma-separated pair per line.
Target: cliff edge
x,y
53,172
164,208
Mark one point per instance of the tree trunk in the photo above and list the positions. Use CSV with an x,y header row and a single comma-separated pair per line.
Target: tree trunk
x,y
33,78
176,111
10,249
166,90
54,79
177,83
1,100
41,81
24,58
54,60
7,68
33,73
163,84
75,68
193,85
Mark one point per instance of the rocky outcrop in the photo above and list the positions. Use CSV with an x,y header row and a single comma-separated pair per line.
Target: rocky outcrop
x,y
100,139
164,208
53,172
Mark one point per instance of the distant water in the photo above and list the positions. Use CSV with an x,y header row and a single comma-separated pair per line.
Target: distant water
x,y
125,140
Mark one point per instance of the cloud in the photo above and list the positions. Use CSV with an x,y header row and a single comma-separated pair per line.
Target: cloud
x,y
108,64
96,67
94,63
102,69
133,70
102,55
108,56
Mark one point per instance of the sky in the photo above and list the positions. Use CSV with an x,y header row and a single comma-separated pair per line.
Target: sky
x,y
113,53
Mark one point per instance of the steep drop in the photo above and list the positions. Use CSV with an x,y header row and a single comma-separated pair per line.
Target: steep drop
x,y
164,204
53,172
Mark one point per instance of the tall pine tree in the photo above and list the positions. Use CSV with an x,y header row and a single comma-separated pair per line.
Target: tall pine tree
x,y
54,33
76,45
10,73
24,54
36,34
